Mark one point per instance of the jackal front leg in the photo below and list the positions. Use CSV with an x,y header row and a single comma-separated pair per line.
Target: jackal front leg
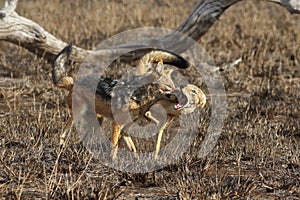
x,y
149,115
127,138
159,136
130,144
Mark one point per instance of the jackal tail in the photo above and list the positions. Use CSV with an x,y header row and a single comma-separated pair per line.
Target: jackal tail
x,y
59,76
166,57
60,79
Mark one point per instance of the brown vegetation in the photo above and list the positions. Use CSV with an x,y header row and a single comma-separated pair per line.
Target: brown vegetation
x,y
257,155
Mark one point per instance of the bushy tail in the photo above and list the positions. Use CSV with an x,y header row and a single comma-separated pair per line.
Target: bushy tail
x,y
166,57
59,76
158,55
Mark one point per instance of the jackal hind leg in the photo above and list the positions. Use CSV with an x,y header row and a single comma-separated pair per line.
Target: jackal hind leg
x,y
115,139
67,128
149,115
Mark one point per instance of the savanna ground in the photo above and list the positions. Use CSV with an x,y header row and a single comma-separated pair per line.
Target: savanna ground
x,y
256,157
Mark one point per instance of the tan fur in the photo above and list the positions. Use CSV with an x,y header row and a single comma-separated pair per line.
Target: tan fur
x,y
103,106
195,99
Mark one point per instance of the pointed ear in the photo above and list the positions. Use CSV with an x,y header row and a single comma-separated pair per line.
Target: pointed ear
x,y
141,68
160,67
168,73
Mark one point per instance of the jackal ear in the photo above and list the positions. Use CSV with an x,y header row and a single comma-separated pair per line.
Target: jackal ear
x,y
160,68
168,73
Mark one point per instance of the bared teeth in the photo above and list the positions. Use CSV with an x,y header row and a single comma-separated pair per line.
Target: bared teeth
x,y
177,106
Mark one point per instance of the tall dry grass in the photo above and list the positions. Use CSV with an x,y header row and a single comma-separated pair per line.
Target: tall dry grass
x,y
257,155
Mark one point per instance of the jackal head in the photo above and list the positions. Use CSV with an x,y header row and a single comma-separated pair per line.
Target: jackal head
x,y
189,98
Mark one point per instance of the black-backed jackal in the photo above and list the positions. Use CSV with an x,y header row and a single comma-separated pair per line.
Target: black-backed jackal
x,y
161,89
189,98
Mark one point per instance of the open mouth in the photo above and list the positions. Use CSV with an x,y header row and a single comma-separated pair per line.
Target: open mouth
x,y
178,98
182,101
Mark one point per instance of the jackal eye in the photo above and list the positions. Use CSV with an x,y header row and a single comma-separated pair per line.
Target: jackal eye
x,y
194,91
171,97
168,95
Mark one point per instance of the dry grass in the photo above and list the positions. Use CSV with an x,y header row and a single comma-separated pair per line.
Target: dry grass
x,y
257,156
